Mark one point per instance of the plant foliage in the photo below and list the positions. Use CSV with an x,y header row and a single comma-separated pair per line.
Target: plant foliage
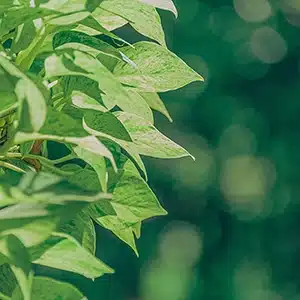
x,y
61,82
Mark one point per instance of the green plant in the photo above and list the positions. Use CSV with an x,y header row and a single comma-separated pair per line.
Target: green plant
x,y
61,82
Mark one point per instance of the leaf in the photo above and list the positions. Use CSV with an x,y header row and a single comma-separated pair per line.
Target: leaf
x,y
83,230
85,92
158,69
86,179
132,202
141,107
156,103
106,123
49,289
148,140
91,5
29,95
14,18
88,143
59,123
63,252
96,162
41,202
163,4
68,19
8,281
97,129
108,20
25,35
94,45
81,100
142,17
17,256
77,63
91,23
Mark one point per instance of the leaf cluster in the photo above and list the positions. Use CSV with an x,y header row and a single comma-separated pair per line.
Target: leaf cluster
x,y
62,82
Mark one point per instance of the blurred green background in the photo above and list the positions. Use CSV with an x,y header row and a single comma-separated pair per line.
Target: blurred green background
x,y
234,216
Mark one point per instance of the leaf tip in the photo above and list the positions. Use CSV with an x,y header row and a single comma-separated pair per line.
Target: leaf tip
x,y
200,78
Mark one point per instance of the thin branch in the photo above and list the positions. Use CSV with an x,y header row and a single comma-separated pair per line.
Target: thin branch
x,y
5,164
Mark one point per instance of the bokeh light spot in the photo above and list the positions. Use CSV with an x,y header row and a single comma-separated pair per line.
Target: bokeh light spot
x,y
245,182
180,244
254,10
268,45
237,140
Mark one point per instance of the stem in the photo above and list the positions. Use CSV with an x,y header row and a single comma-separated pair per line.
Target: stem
x,y
9,110
47,163
7,165
63,159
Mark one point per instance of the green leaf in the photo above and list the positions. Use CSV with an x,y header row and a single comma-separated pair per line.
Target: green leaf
x,y
63,252
96,162
156,103
49,289
24,36
83,230
91,5
17,256
41,202
132,202
142,17
28,93
94,45
81,100
77,63
148,140
88,143
91,23
14,18
85,92
70,6
59,123
8,281
107,124
26,57
8,100
86,179
68,19
93,125
140,106
108,20
163,4
158,69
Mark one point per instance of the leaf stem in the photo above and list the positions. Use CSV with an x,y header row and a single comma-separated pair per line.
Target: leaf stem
x,y
47,163
63,159
7,165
